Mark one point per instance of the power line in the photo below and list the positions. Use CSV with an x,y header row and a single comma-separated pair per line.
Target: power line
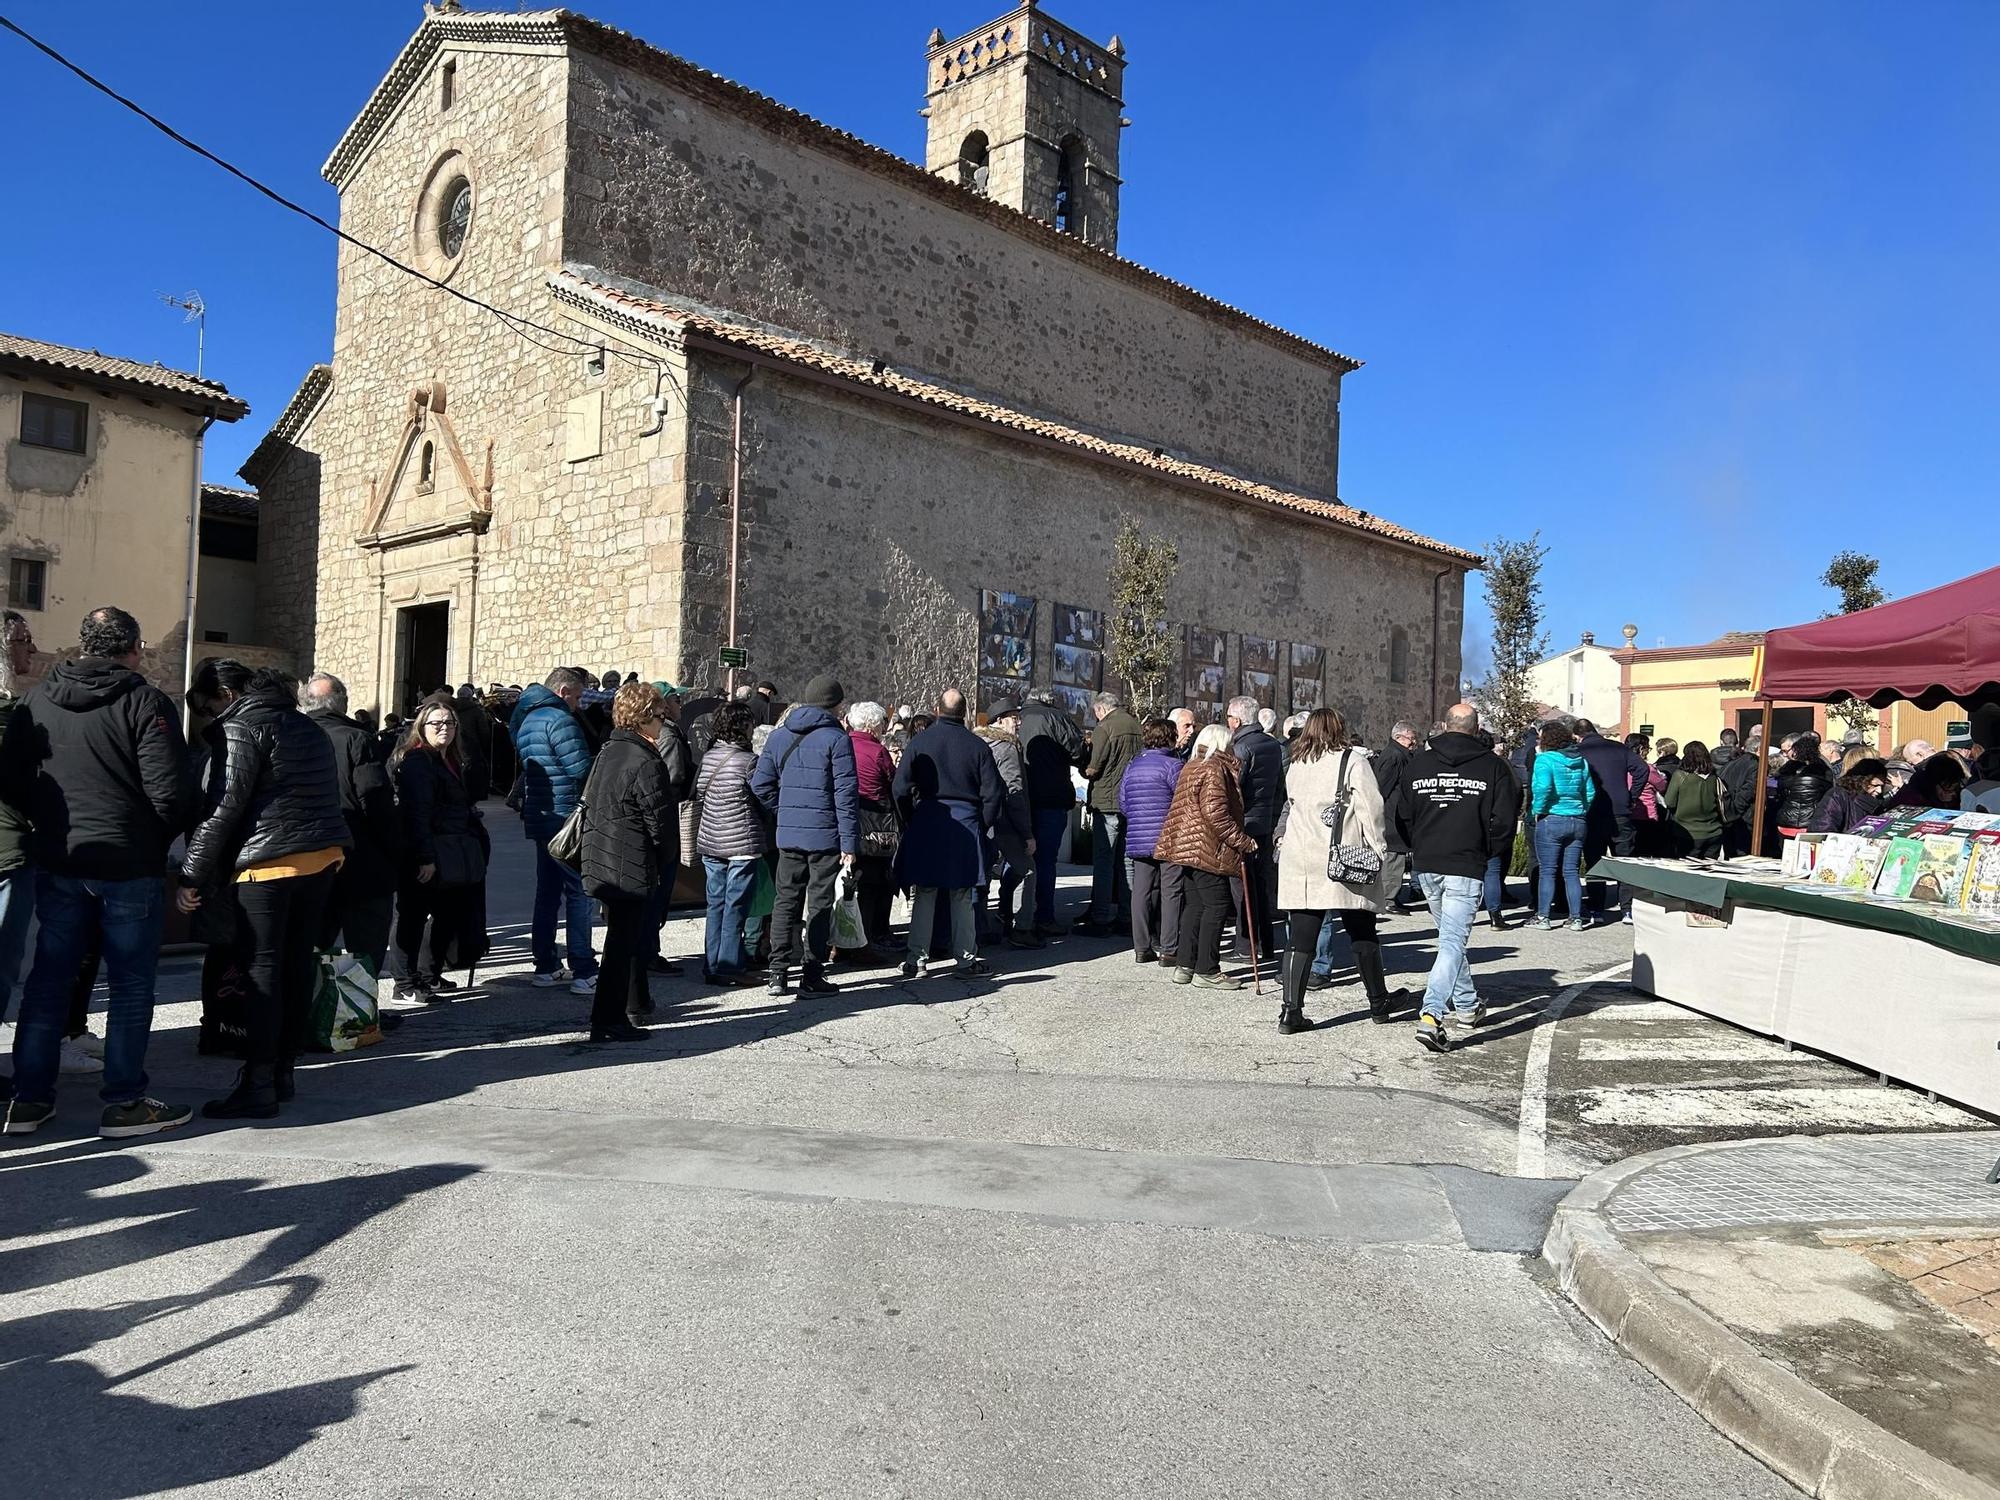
x,y
515,323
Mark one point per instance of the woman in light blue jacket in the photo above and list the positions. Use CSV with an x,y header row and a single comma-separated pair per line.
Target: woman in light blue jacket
x,y
1559,796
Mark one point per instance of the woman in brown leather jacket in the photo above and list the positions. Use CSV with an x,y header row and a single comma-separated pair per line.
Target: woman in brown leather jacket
x,y
1204,835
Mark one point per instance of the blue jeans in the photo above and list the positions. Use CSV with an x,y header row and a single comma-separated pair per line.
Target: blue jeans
x,y
1322,964
730,886
557,885
1050,825
1559,844
17,910
1453,900
129,913
1495,893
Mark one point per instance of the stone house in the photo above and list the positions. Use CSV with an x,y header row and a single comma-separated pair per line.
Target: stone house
x,y
766,382
98,505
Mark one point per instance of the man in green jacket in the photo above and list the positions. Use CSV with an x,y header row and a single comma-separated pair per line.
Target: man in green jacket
x,y
1114,745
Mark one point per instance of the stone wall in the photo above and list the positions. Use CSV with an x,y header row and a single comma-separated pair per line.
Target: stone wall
x,y
868,532
578,562
699,201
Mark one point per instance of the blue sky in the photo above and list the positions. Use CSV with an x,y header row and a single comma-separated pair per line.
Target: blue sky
x,y
1703,291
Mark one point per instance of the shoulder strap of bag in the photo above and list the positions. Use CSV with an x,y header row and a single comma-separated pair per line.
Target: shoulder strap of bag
x,y
1341,796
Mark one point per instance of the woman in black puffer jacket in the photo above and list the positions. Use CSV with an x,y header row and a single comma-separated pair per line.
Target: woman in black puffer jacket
x,y
442,876
276,832
1803,782
629,830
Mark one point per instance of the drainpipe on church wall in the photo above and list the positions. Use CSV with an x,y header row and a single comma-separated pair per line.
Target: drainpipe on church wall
x,y
1437,625
193,575
735,504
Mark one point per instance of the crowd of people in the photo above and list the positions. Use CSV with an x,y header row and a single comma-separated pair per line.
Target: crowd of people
x,y
291,827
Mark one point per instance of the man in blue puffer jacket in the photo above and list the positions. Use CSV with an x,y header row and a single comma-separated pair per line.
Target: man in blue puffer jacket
x,y
806,776
554,759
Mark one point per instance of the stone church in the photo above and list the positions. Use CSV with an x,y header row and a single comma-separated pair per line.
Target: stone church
x,y
773,383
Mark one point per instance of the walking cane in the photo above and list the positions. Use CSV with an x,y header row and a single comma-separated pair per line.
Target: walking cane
x,y
1250,933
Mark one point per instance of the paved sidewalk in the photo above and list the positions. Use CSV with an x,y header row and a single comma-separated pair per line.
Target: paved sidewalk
x,y
1828,1303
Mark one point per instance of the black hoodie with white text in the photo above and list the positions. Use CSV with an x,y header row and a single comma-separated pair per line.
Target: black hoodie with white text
x,y
1460,801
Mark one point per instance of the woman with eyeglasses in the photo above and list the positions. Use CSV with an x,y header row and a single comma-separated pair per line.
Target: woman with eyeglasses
x,y
629,834
442,882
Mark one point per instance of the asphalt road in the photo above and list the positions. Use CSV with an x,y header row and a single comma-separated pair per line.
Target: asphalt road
x,y
1071,1229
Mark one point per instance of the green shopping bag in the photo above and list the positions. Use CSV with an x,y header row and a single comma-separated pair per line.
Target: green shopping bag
x,y
344,1014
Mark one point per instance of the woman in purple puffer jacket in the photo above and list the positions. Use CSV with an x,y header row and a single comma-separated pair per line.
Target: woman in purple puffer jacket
x,y
1143,797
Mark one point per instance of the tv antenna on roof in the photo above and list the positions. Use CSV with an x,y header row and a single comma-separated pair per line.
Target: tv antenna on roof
x,y
197,314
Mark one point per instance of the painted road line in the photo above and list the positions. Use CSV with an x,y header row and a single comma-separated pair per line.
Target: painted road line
x,y
1531,1156
1693,1049
1862,1105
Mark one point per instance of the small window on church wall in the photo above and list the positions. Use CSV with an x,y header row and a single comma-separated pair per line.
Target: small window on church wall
x,y
1399,655
1069,188
447,86
973,166
426,461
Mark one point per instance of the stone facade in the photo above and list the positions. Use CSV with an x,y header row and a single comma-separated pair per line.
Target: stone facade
x,y
572,506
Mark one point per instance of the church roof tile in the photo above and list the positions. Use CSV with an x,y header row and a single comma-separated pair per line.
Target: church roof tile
x,y
648,313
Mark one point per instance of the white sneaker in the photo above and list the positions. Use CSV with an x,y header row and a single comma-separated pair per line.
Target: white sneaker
x,y
92,1044
556,976
584,986
73,1059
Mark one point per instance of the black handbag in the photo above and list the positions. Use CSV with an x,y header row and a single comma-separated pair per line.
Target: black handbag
x,y
881,830
461,860
1347,864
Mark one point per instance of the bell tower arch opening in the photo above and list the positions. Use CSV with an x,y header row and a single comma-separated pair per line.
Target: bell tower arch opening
x,y
1029,112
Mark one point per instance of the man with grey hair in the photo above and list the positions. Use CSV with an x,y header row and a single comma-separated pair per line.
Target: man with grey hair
x,y
1114,745
1458,813
362,908
554,756
1183,721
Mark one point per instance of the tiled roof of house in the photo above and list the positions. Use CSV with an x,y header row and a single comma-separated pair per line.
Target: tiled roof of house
x,y
647,313
291,421
552,28
227,500
58,361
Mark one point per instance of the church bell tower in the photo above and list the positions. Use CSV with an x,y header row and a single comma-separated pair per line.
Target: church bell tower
x,y
1028,112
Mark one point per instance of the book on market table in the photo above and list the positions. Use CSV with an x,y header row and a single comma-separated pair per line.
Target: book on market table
x,y
1848,862
1979,889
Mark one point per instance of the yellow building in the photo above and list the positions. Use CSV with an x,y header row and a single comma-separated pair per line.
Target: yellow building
x,y
1692,692
103,466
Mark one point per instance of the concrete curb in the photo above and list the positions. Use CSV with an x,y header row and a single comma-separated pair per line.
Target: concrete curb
x,y
1798,1431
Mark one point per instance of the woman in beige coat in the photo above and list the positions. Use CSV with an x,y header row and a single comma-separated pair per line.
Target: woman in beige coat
x,y
1330,782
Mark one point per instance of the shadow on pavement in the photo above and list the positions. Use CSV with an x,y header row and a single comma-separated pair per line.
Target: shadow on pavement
x,y
84,1429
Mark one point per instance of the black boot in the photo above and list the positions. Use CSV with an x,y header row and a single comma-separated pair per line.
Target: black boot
x,y
815,982
255,1096
1292,1008
282,1081
1368,963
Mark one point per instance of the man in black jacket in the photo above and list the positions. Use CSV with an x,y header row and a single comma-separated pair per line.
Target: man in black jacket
x,y
1458,812
1263,761
949,790
1052,746
94,760
1618,772
364,892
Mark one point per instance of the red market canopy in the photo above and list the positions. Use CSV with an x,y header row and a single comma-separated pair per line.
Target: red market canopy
x,y
1931,648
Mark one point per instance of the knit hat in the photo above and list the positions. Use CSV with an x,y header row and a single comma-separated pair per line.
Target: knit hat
x,y
824,692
